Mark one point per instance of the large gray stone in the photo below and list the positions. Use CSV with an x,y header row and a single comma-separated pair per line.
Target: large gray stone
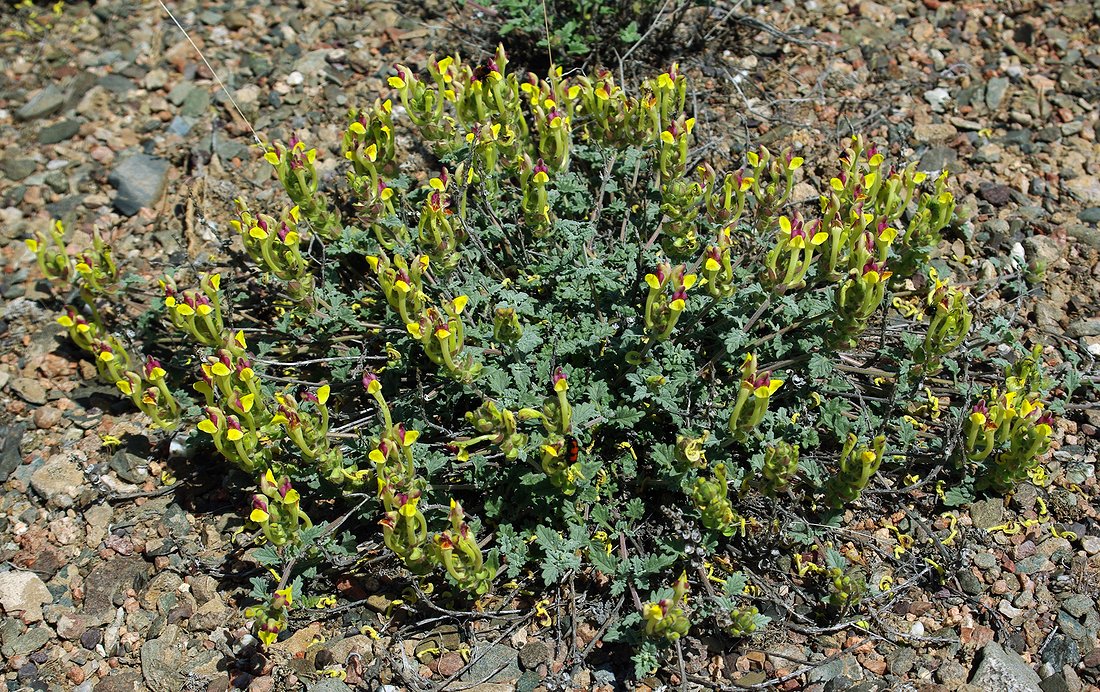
x,y
11,456
1004,671
498,664
995,92
1085,188
110,580
140,181
23,594
164,660
987,513
58,132
47,101
60,481
16,169
27,643
120,681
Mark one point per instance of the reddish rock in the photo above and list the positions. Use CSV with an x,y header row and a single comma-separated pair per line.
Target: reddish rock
x,y
449,664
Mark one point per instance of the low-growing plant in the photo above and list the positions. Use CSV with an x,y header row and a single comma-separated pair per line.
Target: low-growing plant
x,y
576,341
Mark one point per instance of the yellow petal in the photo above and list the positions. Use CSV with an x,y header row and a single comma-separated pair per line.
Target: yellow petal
x,y
653,282
259,516
233,434
322,394
206,425
795,163
357,128
459,304
411,436
689,280
785,225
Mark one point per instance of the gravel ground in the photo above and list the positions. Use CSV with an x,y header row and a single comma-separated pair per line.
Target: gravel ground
x,y
112,580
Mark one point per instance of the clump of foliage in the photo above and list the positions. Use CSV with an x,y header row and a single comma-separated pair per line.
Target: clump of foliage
x,y
573,350
600,31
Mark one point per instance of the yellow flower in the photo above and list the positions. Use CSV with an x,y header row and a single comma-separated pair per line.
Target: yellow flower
x,y
768,389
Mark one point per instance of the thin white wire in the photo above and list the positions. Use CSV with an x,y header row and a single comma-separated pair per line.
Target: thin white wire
x,y
213,72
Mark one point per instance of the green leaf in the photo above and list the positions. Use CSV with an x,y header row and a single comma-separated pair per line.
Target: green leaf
x,y
603,561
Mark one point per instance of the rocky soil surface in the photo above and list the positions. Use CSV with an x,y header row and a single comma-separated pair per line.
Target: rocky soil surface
x,y
119,569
